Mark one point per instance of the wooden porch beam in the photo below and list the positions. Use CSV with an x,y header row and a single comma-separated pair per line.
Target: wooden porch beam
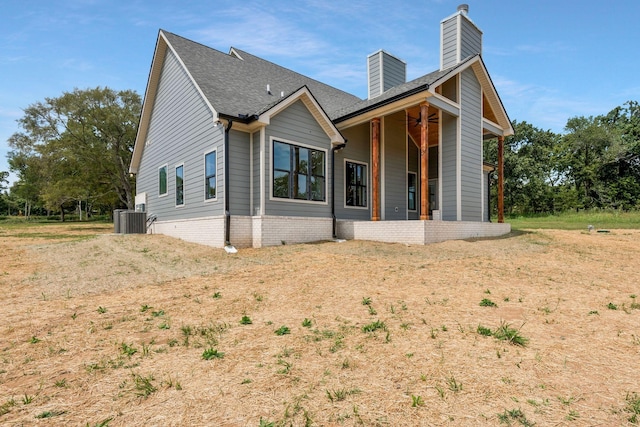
x,y
375,169
500,179
424,161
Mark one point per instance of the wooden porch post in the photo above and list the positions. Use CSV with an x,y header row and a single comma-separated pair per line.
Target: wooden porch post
x,y
500,179
375,169
424,161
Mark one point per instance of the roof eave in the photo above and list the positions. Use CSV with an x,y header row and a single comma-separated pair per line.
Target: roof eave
x,y
382,103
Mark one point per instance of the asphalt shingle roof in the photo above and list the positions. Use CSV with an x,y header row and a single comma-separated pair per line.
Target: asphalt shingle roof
x,y
238,87
405,89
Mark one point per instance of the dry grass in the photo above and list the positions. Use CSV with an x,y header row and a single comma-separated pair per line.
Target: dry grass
x,y
112,330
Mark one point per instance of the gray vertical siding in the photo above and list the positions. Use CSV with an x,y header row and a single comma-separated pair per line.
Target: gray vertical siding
x,y
471,39
296,125
448,202
256,172
449,47
395,166
239,176
471,146
181,130
459,27
375,79
357,149
394,71
385,71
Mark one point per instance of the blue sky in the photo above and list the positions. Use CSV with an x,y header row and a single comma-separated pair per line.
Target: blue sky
x,y
550,60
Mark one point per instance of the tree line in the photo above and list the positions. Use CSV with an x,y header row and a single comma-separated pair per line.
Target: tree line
x,y
595,163
72,153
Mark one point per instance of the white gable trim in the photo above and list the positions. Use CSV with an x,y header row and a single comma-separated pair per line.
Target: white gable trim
x,y
303,94
489,90
150,94
487,87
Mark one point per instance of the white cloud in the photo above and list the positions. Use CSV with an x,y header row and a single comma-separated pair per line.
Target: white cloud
x,y
261,33
543,107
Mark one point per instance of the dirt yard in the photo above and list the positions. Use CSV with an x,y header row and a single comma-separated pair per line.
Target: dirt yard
x,y
105,330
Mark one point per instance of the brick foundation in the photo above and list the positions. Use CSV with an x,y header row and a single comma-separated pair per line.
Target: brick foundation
x,y
418,232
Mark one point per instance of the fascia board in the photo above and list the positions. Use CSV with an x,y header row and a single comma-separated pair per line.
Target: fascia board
x,y
384,110
492,95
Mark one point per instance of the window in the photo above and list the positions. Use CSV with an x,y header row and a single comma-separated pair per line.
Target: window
x,y
162,180
298,172
356,184
412,185
180,185
210,175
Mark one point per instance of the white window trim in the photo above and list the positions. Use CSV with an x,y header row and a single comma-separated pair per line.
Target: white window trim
x,y
165,194
175,175
417,192
204,175
344,180
326,173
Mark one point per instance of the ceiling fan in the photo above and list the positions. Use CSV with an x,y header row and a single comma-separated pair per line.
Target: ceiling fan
x,y
432,118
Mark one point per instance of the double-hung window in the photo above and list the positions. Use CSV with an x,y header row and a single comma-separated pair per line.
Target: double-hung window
x,y
210,175
180,185
298,172
162,180
356,184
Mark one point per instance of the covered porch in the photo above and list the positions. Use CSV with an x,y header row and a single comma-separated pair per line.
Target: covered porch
x,y
416,165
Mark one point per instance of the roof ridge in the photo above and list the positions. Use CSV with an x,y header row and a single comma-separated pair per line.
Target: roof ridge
x,y
195,42
292,71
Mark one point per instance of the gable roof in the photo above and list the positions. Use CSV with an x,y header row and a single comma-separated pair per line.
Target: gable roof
x,y
404,90
236,83
242,86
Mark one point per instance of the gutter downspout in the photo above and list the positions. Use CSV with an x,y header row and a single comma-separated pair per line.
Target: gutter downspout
x,y
333,186
228,247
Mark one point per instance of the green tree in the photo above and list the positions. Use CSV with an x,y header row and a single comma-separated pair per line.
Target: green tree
x,y
4,180
3,187
531,169
587,141
621,172
602,158
77,147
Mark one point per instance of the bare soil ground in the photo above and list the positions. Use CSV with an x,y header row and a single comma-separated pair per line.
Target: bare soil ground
x,y
100,329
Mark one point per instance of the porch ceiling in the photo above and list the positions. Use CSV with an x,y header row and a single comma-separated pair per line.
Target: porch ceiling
x,y
413,124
